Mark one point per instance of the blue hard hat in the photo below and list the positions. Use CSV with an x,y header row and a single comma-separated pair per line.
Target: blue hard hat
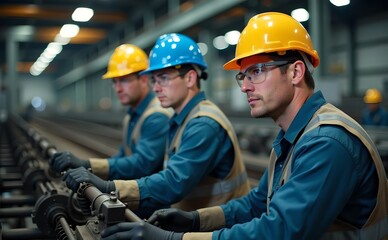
x,y
174,49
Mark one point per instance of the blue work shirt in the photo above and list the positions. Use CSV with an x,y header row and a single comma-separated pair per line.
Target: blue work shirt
x,y
374,118
148,153
205,149
332,176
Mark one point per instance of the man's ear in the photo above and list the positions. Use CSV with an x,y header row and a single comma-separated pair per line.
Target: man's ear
x,y
298,69
144,78
192,78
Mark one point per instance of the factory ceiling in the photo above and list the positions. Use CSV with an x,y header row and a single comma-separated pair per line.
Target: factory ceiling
x,y
31,25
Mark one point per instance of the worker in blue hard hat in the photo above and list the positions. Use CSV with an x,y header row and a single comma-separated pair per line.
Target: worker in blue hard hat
x,y
203,165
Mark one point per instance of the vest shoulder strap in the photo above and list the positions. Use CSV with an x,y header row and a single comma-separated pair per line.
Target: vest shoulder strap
x,y
153,106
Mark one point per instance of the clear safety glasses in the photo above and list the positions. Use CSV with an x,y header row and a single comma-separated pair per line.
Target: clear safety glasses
x,y
163,79
123,81
257,73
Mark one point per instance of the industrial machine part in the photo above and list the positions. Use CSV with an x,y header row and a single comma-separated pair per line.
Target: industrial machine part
x,y
30,191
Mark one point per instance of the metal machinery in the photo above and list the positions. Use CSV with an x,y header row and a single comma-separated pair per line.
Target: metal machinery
x,y
36,204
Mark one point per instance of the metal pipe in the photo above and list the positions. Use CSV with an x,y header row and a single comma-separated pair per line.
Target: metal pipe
x,y
16,212
11,185
17,200
22,234
97,197
7,170
10,176
66,228
7,164
132,217
41,187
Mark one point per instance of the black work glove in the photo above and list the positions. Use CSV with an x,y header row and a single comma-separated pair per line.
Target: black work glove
x,y
61,161
138,231
173,219
74,177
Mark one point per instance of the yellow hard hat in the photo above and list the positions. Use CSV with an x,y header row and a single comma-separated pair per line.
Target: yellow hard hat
x,y
126,59
272,32
372,96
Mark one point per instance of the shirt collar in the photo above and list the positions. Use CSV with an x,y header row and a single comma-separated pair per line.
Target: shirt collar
x,y
142,105
303,117
179,118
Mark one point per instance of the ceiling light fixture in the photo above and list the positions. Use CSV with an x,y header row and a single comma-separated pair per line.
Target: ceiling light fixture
x,y
69,30
82,14
232,37
340,3
203,47
220,43
300,14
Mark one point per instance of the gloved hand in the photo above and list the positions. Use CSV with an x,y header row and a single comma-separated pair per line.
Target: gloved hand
x,y
74,177
173,219
138,231
64,160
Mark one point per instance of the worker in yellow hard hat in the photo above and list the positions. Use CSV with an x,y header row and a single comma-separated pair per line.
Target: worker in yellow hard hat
x,y
145,127
374,114
325,179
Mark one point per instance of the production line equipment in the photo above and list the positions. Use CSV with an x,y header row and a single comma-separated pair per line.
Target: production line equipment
x,y
36,204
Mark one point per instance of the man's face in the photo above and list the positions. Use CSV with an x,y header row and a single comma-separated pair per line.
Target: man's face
x,y
268,90
128,89
170,88
373,106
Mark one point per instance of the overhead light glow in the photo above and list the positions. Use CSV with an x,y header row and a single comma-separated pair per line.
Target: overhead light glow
x,y
62,40
69,30
300,14
340,3
34,72
82,14
38,103
220,43
203,48
232,37
54,48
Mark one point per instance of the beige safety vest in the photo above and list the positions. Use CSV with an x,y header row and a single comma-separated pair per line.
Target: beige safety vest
x,y
153,106
376,226
212,191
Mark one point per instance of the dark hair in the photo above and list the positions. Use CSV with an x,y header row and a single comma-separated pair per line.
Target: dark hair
x,y
183,69
293,56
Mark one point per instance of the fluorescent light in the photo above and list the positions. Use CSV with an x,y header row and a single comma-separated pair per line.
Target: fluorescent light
x,y
34,72
203,47
82,14
54,48
62,40
220,43
340,3
300,14
69,30
232,37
